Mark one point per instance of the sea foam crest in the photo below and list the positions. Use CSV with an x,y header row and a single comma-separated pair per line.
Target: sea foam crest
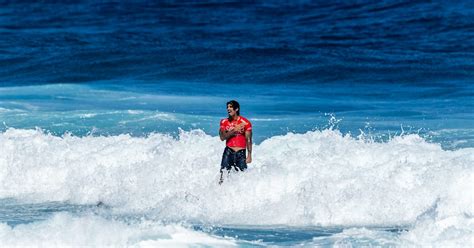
x,y
316,178
64,229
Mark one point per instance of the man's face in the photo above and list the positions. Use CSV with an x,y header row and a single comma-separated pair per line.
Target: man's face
x,y
231,111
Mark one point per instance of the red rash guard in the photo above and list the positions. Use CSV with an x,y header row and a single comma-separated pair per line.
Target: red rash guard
x,y
238,140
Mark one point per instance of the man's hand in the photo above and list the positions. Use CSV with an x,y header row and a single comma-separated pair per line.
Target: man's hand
x,y
249,159
232,131
239,128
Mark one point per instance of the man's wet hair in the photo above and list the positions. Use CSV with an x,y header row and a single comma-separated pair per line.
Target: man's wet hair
x,y
235,105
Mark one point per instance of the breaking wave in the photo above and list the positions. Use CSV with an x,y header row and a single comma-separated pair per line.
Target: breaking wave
x,y
319,178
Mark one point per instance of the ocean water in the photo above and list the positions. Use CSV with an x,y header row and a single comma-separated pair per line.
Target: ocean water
x,y
362,113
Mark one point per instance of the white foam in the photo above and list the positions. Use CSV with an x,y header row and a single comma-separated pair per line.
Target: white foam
x,y
451,221
358,237
92,231
135,112
87,115
159,117
317,178
454,231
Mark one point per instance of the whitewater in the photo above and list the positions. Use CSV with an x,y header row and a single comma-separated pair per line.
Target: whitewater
x,y
158,187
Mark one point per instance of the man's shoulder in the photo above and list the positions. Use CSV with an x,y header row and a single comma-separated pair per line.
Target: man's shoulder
x,y
223,121
245,120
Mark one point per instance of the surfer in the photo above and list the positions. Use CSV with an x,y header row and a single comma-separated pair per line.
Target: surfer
x,y
237,132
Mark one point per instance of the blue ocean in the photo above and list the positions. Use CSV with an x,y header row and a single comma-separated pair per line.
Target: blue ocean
x,y
362,115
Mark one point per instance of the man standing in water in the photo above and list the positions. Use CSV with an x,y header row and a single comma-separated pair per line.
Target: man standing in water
x,y
237,132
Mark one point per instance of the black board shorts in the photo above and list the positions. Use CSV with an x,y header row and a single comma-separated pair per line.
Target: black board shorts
x,y
236,159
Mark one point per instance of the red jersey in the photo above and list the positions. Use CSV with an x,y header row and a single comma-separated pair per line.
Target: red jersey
x,y
238,140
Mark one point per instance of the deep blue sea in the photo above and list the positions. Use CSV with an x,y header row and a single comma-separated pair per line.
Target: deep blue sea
x,y
362,114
